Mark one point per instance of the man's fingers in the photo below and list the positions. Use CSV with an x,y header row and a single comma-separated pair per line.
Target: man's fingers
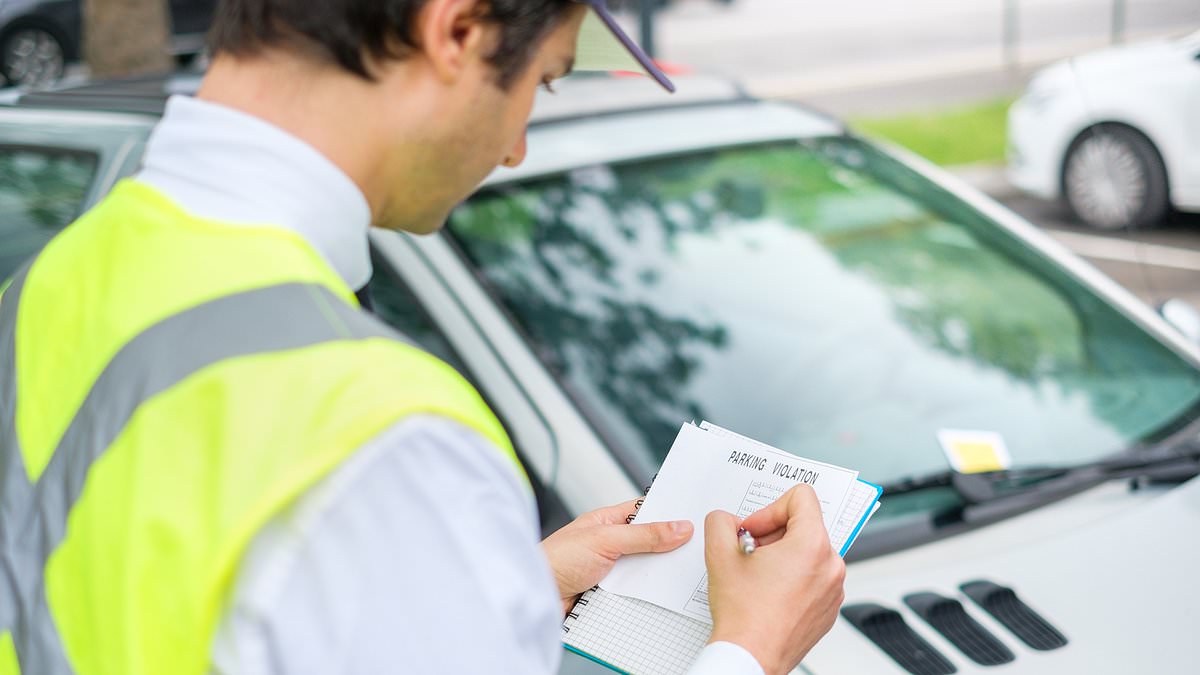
x,y
646,538
617,513
798,507
720,537
805,512
769,538
773,517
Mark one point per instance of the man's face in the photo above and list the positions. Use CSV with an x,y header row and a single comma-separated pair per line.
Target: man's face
x,y
483,127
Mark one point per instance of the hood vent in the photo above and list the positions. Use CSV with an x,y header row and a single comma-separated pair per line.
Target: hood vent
x,y
1004,605
948,617
888,630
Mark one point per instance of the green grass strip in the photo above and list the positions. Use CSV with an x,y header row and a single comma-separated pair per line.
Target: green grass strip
x,y
959,135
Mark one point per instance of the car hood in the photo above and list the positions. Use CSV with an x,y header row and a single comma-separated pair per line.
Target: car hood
x,y
1114,570
1137,58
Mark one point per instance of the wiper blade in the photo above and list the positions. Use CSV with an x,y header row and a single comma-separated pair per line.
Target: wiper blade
x,y
1170,464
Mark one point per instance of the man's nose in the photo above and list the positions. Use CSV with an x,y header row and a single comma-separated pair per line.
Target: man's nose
x,y
517,154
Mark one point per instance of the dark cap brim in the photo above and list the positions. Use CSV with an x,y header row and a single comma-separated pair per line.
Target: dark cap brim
x,y
593,54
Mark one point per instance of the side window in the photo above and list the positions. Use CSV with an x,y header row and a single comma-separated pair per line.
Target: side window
x,y
395,304
399,308
41,191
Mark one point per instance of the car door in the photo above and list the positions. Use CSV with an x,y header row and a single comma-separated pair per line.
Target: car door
x,y
394,301
1167,106
42,189
53,166
1189,197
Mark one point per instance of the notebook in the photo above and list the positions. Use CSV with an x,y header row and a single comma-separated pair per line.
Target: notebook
x,y
650,615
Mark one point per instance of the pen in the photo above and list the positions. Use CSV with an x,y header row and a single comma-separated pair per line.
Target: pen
x,y
746,541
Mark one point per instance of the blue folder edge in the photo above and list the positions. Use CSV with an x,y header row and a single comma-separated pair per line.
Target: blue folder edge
x,y
846,547
866,515
589,657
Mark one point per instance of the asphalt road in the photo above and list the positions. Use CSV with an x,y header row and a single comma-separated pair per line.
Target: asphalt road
x,y
1156,265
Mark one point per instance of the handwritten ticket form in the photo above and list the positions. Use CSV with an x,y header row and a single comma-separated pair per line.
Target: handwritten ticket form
x,y
710,468
651,614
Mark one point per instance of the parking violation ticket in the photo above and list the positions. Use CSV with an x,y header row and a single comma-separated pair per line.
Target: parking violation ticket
x,y
712,468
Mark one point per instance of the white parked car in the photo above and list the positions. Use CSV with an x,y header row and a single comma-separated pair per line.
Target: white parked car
x,y
1115,133
709,256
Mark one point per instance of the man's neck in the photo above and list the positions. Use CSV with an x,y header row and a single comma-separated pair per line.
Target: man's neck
x,y
325,108
222,164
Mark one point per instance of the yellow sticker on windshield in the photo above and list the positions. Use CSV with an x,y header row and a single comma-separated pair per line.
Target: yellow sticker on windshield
x,y
974,451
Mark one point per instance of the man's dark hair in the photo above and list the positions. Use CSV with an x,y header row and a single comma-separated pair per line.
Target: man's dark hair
x,y
352,32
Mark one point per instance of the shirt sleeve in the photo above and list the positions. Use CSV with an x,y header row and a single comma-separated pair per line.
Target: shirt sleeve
x,y
725,658
420,554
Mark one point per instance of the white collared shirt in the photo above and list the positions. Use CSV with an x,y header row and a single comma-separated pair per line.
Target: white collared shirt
x,y
420,553
223,164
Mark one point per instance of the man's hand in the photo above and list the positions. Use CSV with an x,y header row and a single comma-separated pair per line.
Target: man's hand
x,y
780,600
584,550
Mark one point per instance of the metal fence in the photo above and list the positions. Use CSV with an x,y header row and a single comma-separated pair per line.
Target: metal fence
x,y
648,9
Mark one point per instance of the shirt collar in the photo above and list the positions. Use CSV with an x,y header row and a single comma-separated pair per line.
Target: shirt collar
x,y
222,164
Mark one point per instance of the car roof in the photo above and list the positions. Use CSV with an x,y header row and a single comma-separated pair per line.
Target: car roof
x,y
578,97
146,95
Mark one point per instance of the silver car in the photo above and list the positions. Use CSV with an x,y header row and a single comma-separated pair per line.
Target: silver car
x,y
710,256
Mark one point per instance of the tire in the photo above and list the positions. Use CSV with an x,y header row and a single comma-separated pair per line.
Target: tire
x,y
31,57
1113,177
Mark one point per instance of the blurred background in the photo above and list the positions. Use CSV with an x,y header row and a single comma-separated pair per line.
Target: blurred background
x,y
938,77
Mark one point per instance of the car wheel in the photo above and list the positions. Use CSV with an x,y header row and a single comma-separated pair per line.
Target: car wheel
x,y
1113,177
32,58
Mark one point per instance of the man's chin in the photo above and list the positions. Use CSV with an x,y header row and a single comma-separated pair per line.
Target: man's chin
x,y
423,225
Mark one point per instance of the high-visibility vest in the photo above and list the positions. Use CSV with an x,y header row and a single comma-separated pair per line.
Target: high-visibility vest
x,y
168,384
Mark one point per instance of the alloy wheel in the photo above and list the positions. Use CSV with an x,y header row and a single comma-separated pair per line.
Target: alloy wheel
x,y
32,58
1106,182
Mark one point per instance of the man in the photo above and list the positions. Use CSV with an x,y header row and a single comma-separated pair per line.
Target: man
x,y
212,460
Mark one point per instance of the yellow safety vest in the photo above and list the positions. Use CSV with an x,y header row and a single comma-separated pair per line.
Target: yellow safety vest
x,y
168,384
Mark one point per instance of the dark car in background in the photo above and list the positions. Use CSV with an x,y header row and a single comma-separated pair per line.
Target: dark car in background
x,y
38,38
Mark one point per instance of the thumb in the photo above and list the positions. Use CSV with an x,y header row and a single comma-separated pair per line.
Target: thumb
x,y
645,538
720,538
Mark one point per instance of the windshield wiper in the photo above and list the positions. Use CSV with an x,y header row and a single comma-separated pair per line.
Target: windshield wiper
x,y
1171,464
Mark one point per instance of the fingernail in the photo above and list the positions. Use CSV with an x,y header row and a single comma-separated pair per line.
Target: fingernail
x,y
681,527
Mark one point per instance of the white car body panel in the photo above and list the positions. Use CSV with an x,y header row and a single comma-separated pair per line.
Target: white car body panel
x,y
1152,87
1114,570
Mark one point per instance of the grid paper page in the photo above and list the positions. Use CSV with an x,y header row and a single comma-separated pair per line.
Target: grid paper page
x,y
858,502
633,635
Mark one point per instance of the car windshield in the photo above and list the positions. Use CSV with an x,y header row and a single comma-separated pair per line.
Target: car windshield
x,y
819,296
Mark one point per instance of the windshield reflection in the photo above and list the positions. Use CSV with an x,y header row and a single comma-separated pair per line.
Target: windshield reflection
x,y
817,296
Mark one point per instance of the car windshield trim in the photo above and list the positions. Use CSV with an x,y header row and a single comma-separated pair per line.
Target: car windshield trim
x,y
612,139
634,466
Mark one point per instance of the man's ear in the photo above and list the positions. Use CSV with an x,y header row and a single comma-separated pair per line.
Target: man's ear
x,y
452,34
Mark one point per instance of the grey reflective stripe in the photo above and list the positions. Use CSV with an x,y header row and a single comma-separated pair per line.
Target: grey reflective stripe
x,y
34,517
14,487
23,609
